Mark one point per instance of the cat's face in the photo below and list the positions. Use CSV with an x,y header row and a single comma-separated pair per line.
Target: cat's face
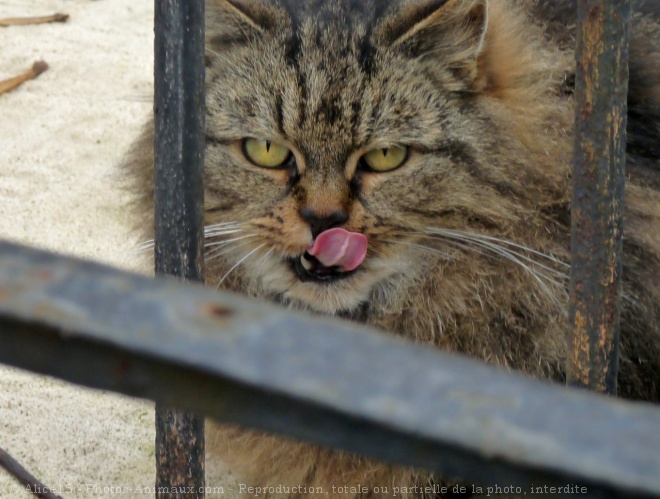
x,y
345,114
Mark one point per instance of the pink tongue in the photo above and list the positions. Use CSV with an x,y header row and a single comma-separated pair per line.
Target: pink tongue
x,y
338,247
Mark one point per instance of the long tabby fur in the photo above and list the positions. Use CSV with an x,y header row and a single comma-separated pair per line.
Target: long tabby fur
x,y
469,239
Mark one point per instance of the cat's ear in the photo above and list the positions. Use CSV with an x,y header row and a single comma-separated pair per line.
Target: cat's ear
x,y
451,31
235,21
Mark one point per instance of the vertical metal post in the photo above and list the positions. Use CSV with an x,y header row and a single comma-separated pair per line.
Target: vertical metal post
x,y
179,212
598,185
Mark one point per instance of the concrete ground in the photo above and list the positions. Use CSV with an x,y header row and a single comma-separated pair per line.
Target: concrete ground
x,y
62,137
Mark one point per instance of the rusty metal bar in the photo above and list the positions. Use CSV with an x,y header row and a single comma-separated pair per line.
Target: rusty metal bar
x,y
296,374
179,211
598,185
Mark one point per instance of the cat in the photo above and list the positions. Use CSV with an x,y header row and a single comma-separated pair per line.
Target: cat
x,y
406,164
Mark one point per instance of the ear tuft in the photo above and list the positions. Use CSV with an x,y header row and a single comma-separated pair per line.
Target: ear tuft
x,y
235,21
451,31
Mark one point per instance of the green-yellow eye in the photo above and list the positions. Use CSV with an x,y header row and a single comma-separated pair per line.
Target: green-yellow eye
x,y
384,160
265,153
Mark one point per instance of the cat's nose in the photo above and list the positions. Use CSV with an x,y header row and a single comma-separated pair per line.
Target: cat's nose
x,y
319,223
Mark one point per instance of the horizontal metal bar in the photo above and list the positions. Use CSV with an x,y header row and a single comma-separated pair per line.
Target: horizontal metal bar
x,y
327,381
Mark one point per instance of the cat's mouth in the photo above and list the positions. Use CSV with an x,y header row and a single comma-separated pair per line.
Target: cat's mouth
x,y
309,269
335,254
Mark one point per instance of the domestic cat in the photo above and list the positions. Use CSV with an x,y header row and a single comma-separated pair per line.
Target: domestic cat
x,y
406,164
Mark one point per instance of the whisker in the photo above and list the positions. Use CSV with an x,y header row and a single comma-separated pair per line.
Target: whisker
x,y
486,241
535,274
227,230
507,253
463,245
223,243
502,241
239,262
213,230
136,250
217,253
422,247
540,272
222,224
209,240
227,225
150,242
263,259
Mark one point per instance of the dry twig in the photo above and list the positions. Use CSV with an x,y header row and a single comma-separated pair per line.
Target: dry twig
x,y
11,83
22,21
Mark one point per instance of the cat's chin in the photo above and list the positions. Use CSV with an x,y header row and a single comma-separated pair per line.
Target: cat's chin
x,y
340,296
337,298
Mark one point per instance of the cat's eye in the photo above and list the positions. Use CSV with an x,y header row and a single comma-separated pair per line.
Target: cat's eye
x,y
386,159
265,153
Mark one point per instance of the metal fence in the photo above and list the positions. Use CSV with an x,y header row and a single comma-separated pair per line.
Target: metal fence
x,y
295,374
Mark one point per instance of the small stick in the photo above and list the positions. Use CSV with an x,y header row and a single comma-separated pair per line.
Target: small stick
x,y
22,21
27,480
10,84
